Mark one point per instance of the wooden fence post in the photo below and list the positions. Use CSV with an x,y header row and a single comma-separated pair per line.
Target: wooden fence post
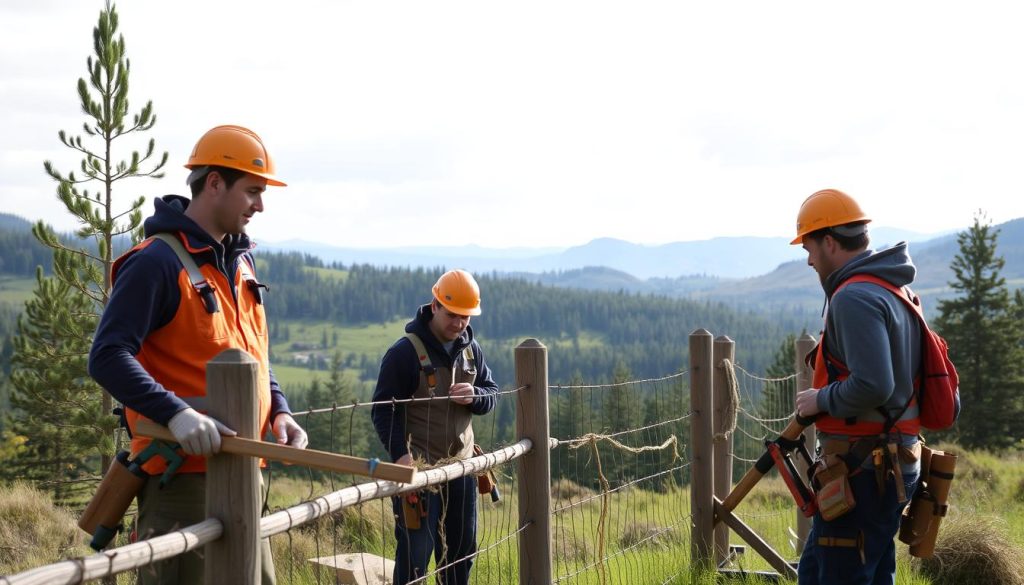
x,y
534,468
702,470
724,349
804,345
233,481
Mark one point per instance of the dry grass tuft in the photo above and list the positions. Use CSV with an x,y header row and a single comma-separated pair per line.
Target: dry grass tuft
x,y
568,491
976,550
33,531
570,545
648,536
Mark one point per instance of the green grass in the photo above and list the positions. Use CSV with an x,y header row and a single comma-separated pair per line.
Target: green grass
x,y
328,274
367,339
16,290
647,534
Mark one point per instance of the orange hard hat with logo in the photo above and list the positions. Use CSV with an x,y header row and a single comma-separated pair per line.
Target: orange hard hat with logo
x,y
236,148
458,292
824,209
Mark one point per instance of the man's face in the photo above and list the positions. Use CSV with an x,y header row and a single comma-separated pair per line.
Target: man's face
x,y
447,326
819,256
235,206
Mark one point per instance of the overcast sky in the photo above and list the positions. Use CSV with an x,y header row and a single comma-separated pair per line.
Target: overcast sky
x,y
546,123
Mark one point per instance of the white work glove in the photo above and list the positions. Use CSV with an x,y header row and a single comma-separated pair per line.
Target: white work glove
x,y
197,433
288,432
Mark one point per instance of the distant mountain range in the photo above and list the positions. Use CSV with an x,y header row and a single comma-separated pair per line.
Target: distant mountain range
x,y
758,273
731,257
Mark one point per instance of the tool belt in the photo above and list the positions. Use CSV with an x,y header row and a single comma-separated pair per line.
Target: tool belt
x,y
841,459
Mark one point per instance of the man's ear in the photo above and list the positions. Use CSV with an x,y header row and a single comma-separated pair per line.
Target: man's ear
x,y
213,181
829,244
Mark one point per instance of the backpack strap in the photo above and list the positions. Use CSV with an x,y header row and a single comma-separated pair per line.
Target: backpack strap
x,y
195,277
425,364
912,302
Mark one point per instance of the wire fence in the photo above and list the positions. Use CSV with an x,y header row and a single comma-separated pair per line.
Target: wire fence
x,y
620,505
621,491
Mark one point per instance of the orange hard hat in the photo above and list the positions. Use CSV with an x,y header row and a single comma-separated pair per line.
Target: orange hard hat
x,y
458,292
826,208
236,148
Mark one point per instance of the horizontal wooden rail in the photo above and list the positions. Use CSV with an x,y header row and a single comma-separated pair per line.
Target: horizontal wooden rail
x,y
121,559
141,554
306,457
287,519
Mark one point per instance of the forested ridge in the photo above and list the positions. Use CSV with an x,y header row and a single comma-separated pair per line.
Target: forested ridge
x,y
647,333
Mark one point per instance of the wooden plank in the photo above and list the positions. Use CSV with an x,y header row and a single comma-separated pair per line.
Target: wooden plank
x,y
750,537
307,457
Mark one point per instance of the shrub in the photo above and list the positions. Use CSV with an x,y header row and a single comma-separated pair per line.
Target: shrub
x,y
33,531
974,549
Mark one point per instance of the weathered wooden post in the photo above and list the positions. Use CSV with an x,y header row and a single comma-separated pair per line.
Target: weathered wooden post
x,y
233,481
724,349
804,345
702,470
534,468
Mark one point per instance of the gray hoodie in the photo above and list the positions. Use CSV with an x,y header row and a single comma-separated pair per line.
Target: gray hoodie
x,y
875,335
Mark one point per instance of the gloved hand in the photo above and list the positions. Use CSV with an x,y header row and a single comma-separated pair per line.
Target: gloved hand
x,y
288,432
197,433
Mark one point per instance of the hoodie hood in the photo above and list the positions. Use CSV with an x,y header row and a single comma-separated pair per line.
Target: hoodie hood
x,y
420,325
170,217
890,264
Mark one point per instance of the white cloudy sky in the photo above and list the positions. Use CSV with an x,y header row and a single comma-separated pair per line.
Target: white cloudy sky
x,y
547,123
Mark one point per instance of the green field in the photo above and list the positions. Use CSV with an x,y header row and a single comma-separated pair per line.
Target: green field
x,y
16,290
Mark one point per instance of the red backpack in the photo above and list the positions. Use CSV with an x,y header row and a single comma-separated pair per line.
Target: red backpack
x,y
938,393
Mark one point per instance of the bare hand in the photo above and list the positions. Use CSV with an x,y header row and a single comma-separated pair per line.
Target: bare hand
x,y
807,402
405,460
462,393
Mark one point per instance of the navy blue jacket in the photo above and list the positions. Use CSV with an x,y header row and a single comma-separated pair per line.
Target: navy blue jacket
x,y
400,376
145,298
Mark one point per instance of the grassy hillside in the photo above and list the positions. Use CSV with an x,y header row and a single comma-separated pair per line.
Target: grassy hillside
x,y
983,533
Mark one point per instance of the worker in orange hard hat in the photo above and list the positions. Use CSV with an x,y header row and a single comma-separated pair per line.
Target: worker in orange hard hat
x,y
437,357
863,395
181,297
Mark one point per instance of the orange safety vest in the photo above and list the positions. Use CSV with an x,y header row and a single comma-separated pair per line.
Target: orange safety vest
x,y
176,354
828,369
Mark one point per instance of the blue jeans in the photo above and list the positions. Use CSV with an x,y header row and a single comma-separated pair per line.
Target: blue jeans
x,y
453,509
875,517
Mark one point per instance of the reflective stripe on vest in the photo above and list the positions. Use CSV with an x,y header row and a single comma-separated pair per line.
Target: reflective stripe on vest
x,y
828,369
176,354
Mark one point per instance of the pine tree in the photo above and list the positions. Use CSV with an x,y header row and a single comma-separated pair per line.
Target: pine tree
x,y
57,408
87,270
983,329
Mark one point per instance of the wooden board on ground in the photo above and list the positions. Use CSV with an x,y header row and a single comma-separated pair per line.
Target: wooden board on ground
x,y
359,568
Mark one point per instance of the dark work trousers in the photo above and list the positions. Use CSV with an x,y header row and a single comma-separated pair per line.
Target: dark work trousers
x,y
448,531
181,503
875,517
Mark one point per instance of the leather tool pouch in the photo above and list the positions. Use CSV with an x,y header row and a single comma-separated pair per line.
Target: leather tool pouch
x,y
414,507
832,487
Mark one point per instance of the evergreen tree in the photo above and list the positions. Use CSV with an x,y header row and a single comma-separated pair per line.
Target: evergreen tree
x,y
104,100
57,409
983,329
